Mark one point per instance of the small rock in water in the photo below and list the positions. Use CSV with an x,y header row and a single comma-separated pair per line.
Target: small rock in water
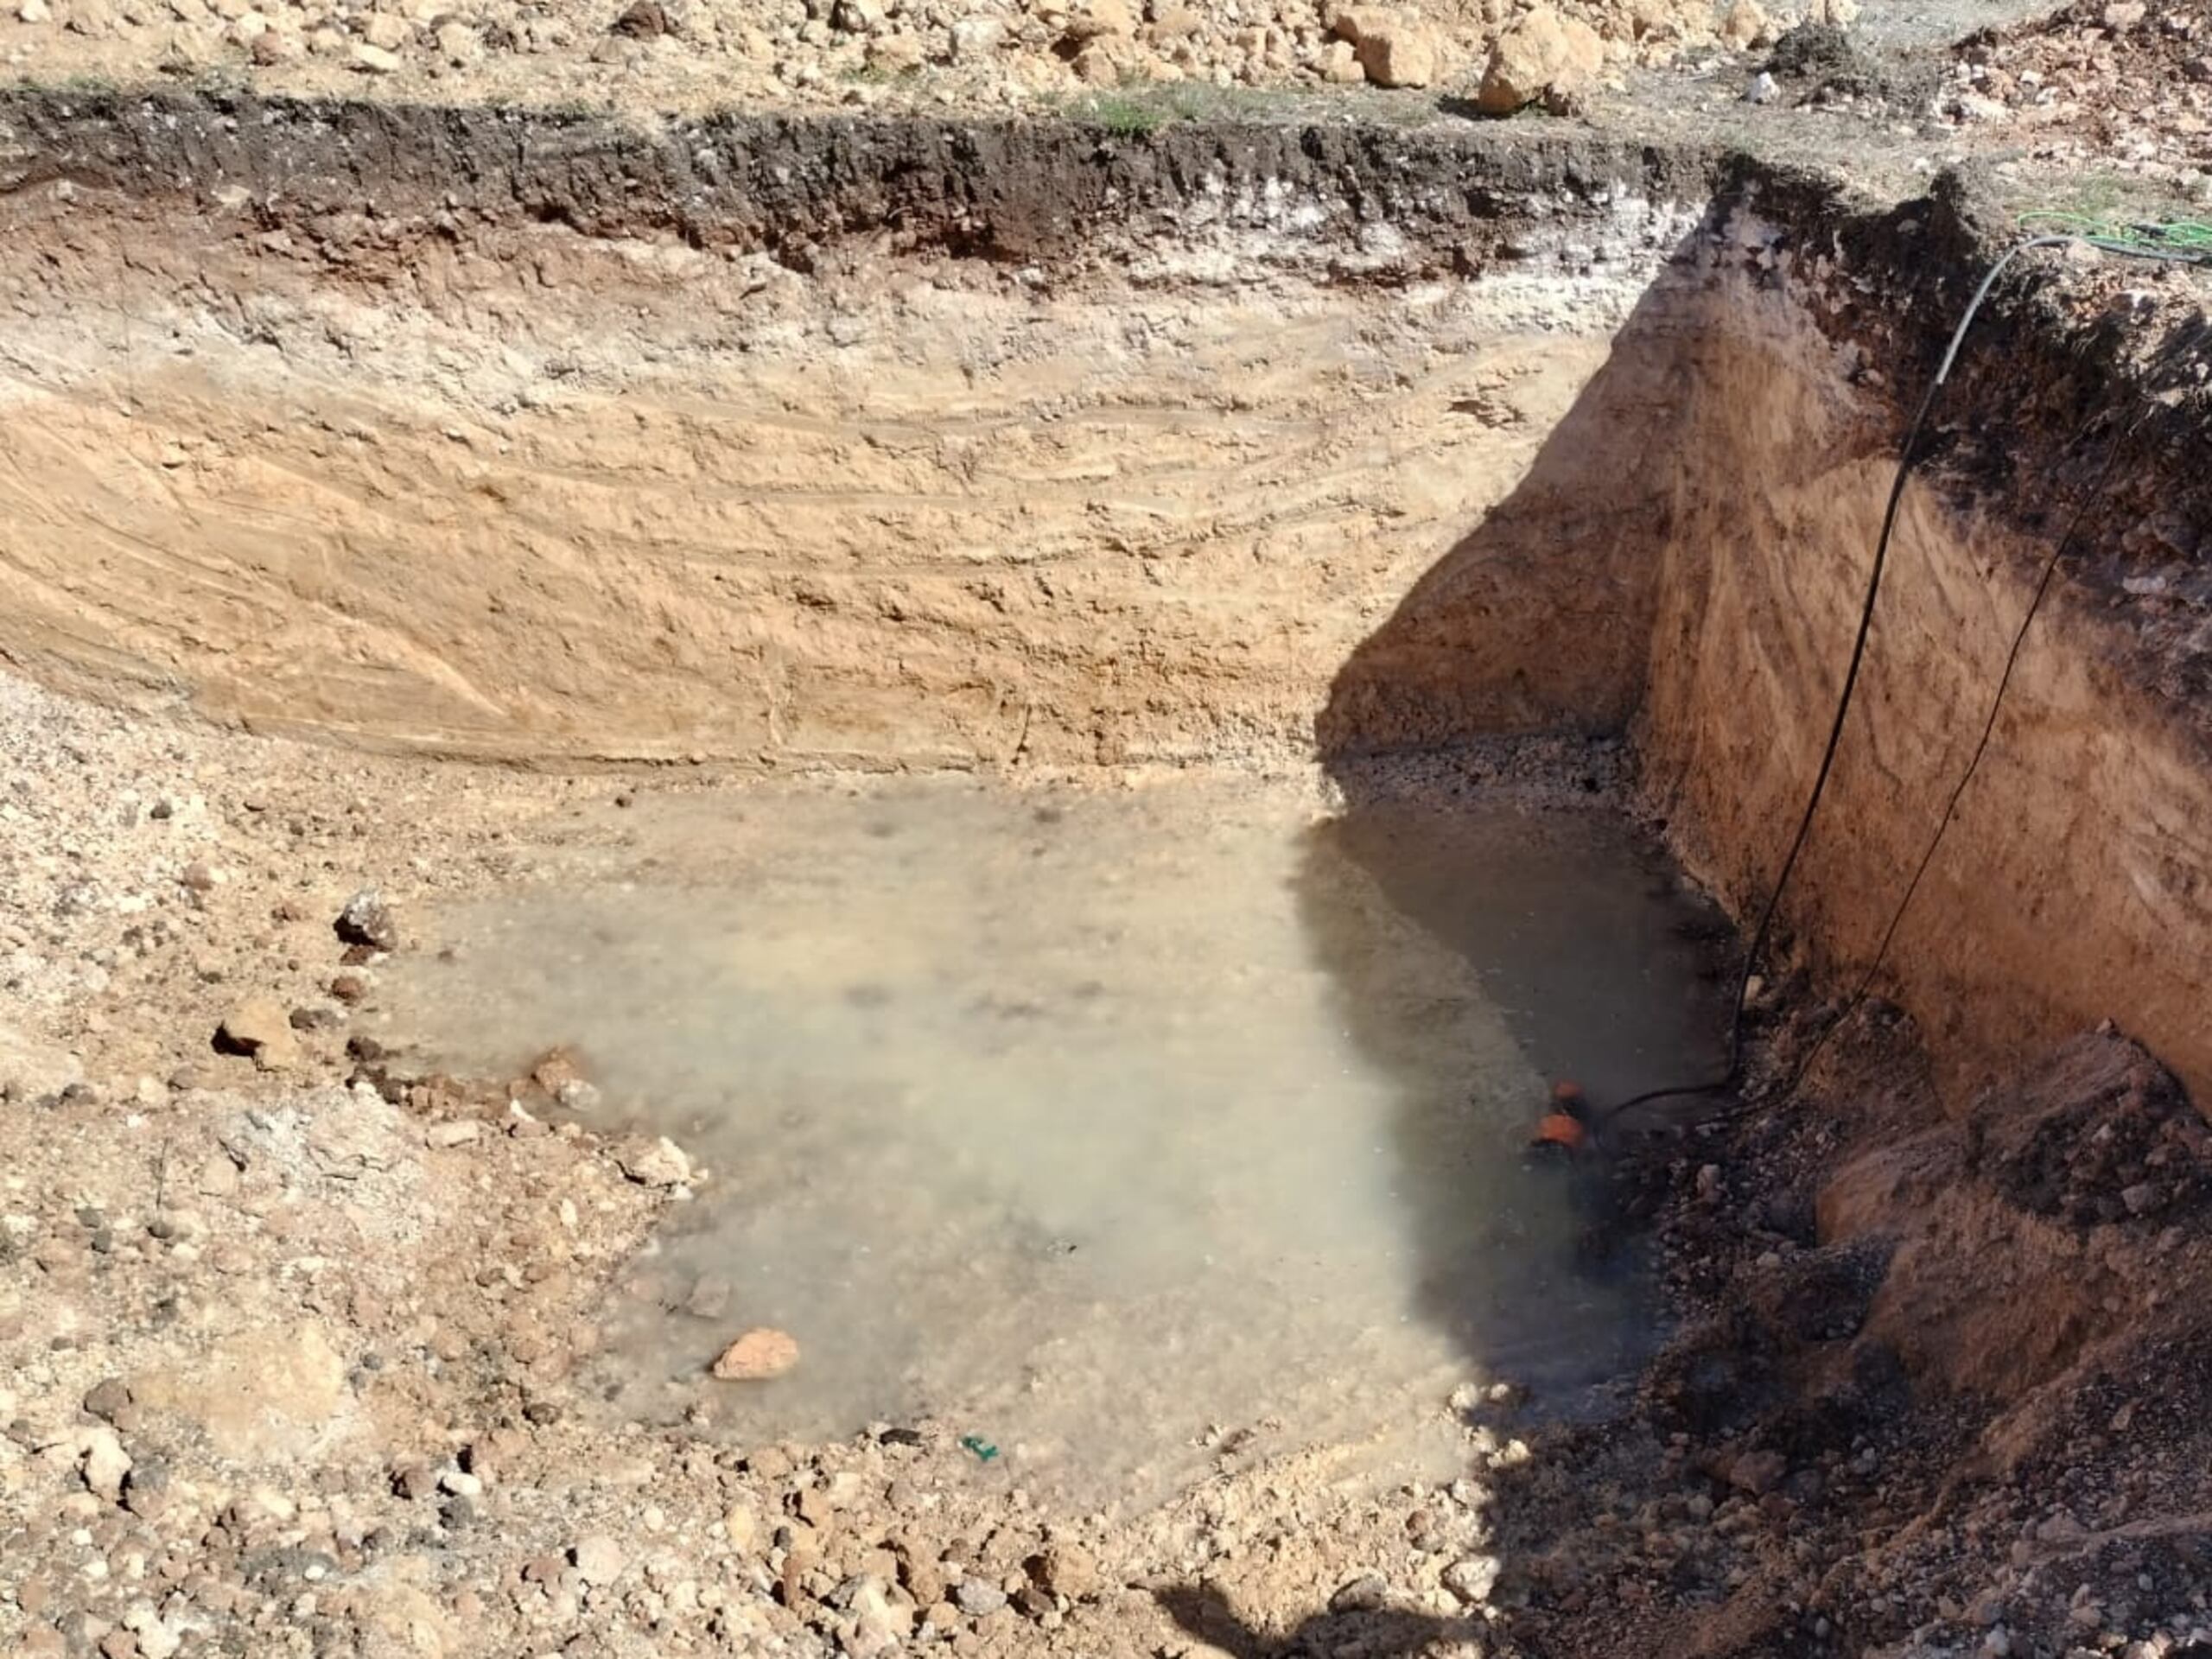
x,y
368,920
759,1354
1364,1594
561,1073
709,1297
654,1163
259,1026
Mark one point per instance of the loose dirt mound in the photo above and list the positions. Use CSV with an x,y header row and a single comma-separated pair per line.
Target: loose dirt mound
x,y
983,53
2128,81
1945,1420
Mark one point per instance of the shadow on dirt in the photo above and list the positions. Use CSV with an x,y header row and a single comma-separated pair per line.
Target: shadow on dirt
x,y
1205,1615
1586,945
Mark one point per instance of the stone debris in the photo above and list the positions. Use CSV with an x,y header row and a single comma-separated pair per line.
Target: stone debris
x,y
367,920
2127,85
657,1163
757,1356
978,54
259,1028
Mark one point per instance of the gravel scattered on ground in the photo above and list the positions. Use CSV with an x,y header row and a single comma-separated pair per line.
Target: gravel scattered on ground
x,y
968,55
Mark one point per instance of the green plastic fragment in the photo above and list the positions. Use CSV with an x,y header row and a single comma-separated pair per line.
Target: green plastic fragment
x,y
983,1448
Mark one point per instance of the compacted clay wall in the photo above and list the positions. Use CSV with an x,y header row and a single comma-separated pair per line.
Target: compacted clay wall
x,y
1688,554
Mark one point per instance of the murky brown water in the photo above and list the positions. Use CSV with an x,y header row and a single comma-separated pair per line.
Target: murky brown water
x,y
1097,1123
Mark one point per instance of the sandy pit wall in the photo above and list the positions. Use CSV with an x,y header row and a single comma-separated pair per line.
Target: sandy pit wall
x,y
1725,476
770,442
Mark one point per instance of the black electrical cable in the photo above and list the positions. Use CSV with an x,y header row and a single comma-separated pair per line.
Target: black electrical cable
x,y
1762,933
1988,728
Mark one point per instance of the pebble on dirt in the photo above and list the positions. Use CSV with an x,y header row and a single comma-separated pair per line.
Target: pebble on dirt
x,y
260,1028
367,920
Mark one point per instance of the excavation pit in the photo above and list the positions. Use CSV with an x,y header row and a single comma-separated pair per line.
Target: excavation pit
x,y
1058,708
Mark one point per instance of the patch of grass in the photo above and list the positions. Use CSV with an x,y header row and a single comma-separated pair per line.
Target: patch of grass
x,y
2093,200
1119,112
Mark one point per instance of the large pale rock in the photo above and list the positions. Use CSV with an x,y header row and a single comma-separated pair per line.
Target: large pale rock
x,y
1395,45
263,1393
1542,58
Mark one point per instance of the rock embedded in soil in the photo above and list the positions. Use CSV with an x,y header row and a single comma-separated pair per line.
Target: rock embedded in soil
x,y
659,1163
1472,1580
598,1559
105,1463
978,1598
260,1028
757,1356
1364,1594
1067,1570
107,1397
367,920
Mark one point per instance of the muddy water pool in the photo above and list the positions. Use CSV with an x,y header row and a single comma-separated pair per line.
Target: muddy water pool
x,y
1113,1126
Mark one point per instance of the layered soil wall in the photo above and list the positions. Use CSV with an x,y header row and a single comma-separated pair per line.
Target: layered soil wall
x,y
771,442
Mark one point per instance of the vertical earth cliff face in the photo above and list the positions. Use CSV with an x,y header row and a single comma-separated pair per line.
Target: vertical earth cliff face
x,y
1688,552
774,442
